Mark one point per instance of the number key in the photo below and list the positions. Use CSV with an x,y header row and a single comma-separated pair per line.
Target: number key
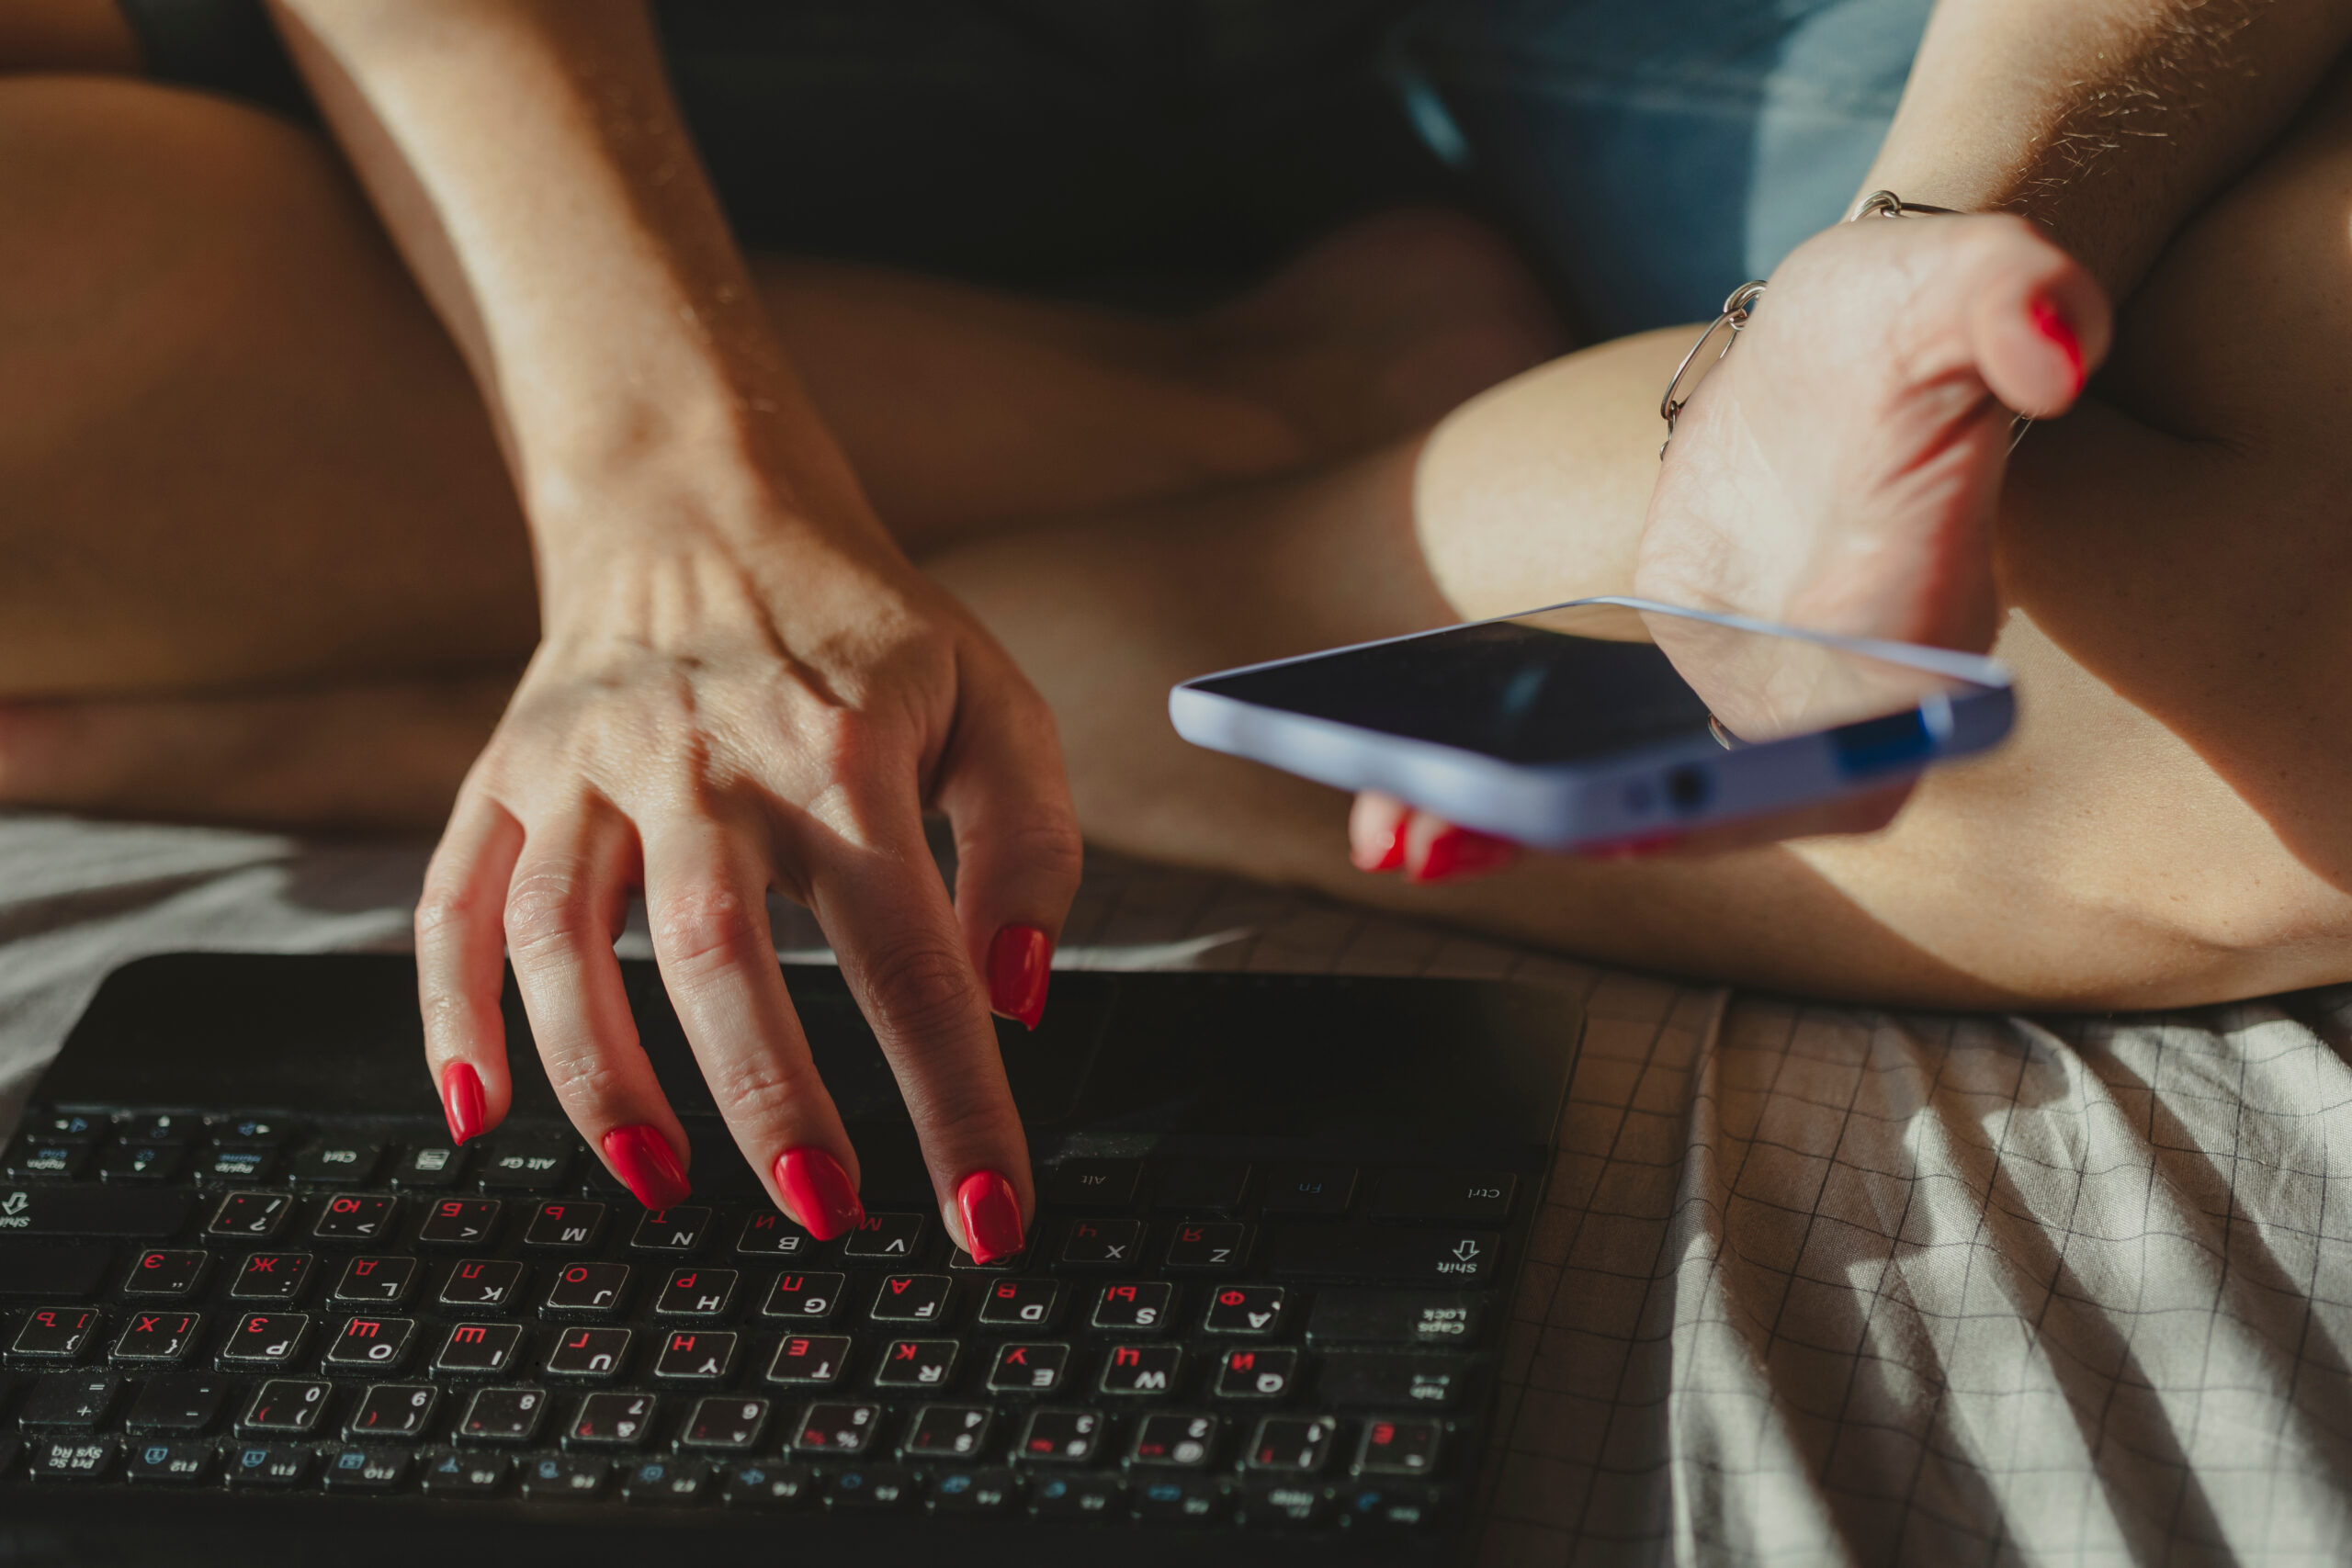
x,y
55,1333
1398,1448
838,1428
392,1410
611,1421
1291,1443
725,1422
956,1431
282,1405
504,1415
1061,1437
252,1216
1181,1442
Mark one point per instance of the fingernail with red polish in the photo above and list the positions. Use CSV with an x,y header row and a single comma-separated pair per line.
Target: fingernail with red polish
x,y
816,1193
2051,325
645,1162
1394,855
462,1098
991,1212
1460,852
1020,962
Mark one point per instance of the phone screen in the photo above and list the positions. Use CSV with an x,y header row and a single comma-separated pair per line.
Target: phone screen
x,y
1587,680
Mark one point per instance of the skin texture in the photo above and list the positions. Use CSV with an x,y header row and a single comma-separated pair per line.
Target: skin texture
x,y
234,549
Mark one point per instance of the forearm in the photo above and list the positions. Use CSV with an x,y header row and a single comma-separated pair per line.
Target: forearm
x,y
2107,121
533,170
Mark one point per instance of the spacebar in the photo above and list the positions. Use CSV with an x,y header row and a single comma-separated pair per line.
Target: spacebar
x,y
93,1210
1458,1257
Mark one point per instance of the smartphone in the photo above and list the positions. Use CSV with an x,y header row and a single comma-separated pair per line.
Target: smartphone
x,y
1604,720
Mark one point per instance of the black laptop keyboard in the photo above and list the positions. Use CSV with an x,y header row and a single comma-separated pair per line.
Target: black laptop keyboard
x,y
240,1302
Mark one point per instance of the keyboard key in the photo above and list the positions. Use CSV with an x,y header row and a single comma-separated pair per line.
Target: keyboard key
x,y
1140,1369
266,1340
1212,1246
1465,1259
165,1462
433,1167
611,1421
1078,1497
272,1277
1394,1317
355,1217
1179,1442
476,1474
1028,1368
708,1293
51,1271
1102,1244
913,1298
594,1353
973,1493
672,1230
166,1275
568,1223
665,1481
87,1210
268,1466
1059,1437
805,1298
1180,1500
1299,1445
485,1348
181,1404
701,1355
70,1124
250,1216
588,1289
946,1431
504,1415
1398,1448
812,1359
916,1363
725,1422
162,1127
392,1410
1245,1309
366,1470
1309,1190
1268,1503
370,1344
284,1406
869,1488
516,1166
1020,1304
838,1428
54,1335
885,1238
65,1159
564,1478
479,1284
461,1222
1125,1309
236,1165
156,1339
767,1485
1256,1374
141,1162
1359,1379
79,1403
72,1459
1442,1197
769,1234
337,1162
254,1132
1101,1184
375,1283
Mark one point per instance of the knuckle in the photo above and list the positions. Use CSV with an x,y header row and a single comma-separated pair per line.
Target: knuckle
x,y
580,1075
548,908
921,991
708,927
762,1088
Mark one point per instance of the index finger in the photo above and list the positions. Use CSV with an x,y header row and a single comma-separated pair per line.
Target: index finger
x,y
883,906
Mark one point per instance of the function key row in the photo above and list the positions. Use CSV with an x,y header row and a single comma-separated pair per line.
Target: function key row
x,y
1405,1196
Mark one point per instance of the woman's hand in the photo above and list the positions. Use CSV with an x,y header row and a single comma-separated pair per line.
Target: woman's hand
x,y
718,710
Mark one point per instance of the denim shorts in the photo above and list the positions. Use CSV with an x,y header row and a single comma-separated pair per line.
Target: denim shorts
x,y
1647,155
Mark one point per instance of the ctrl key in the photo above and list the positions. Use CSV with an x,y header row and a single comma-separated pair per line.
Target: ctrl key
x,y
72,1459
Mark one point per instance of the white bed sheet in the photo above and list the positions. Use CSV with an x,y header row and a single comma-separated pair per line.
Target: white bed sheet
x,y
1811,1284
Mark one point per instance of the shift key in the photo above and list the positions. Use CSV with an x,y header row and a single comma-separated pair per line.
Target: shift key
x,y
1459,1257
147,1212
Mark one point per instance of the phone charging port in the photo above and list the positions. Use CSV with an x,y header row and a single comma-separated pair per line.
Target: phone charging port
x,y
1687,788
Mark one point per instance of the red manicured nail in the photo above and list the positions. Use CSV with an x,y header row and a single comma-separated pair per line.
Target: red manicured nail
x,y
991,1212
2051,325
1394,855
1461,851
644,1161
462,1098
816,1193
1021,964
